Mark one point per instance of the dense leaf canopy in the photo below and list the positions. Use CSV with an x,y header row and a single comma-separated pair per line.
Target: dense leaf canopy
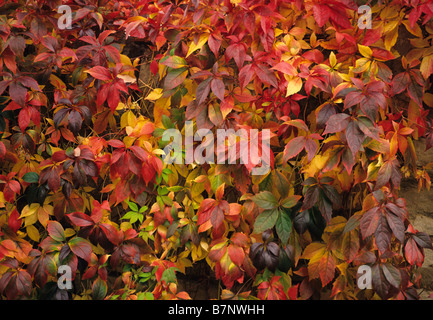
x,y
84,108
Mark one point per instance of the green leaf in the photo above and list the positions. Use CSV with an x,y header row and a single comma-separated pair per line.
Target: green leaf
x,y
133,206
99,289
31,177
169,275
166,122
266,220
162,191
175,188
149,296
265,200
167,200
134,218
128,215
284,227
145,296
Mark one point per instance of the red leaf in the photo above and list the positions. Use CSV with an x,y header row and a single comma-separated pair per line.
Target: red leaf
x,y
2,150
113,53
217,216
326,268
14,186
110,232
337,122
414,90
311,148
100,73
382,234
236,254
29,82
55,230
116,143
214,44
113,98
23,282
139,153
388,171
154,67
354,136
245,75
413,254
18,93
352,98
80,219
266,75
369,222
285,68
218,88
13,222
400,82
273,290
51,175
310,198
24,119
294,147
203,90
174,78
236,51
81,248
321,14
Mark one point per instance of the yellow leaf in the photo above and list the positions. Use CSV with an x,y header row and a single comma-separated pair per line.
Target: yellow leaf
x,y
345,180
391,25
155,94
314,250
120,106
394,144
389,12
2,199
336,224
428,100
365,51
161,107
200,43
332,59
416,30
69,232
128,119
362,65
426,67
33,233
29,210
294,85
96,249
158,152
278,32
125,60
317,164
57,82
391,39
136,62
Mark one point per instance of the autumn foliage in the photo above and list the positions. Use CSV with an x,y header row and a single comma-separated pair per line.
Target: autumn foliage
x,y
82,177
